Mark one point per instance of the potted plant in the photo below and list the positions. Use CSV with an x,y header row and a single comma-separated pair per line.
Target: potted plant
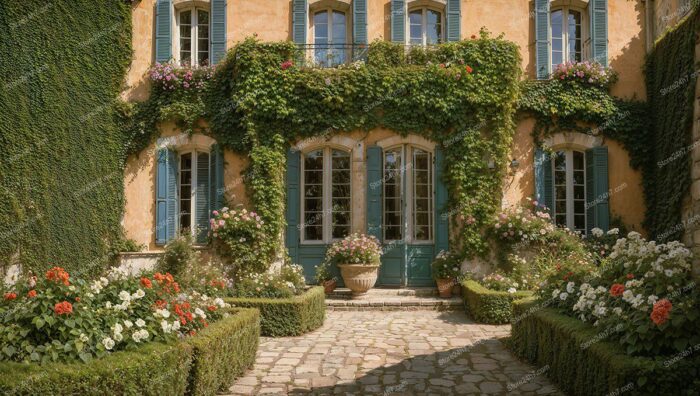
x,y
357,257
325,278
446,272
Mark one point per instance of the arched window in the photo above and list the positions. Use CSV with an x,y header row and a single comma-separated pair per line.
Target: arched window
x,y
330,37
193,193
425,26
567,35
192,36
326,195
569,174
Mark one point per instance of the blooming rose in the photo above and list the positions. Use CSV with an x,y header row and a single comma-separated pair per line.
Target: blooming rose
x,y
145,282
63,308
660,313
617,289
10,296
468,69
108,343
31,293
58,275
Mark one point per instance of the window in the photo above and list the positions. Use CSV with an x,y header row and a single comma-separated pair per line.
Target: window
x,y
193,37
326,210
408,182
567,33
330,37
425,26
193,192
569,173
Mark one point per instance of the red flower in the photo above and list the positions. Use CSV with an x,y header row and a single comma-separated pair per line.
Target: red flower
x,y
58,275
616,290
161,304
630,276
211,308
145,282
192,332
286,64
468,69
31,294
159,277
77,299
473,36
63,308
660,313
568,274
10,296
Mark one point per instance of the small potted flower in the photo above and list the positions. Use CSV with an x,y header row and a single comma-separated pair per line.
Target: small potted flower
x,y
446,273
325,278
357,257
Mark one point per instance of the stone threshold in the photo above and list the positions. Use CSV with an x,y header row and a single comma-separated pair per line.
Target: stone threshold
x,y
414,299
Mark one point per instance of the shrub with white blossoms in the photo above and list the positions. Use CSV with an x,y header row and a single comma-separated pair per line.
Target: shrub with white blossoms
x,y
240,237
288,282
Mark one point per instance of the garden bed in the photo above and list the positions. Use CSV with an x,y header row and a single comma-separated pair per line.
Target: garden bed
x,y
489,306
294,316
201,365
581,362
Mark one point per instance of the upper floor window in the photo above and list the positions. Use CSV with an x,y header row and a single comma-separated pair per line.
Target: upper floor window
x,y
193,190
330,37
567,35
569,171
192,39
425,26
326,196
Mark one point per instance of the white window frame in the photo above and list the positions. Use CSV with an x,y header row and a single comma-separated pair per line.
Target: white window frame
x,y
327,198
193,190
194,35
406,173
424,27
569,159
585,37
331,41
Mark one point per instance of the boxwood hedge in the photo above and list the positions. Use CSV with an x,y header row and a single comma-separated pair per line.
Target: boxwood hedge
x,y
294,316
199,366
488,306
582,362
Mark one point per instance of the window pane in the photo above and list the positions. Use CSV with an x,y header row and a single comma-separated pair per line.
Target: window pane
x,y
415,19
557,27
434,27
313,196
574,22
422,195
186,17
393,227
340,193
185,192
339,27
202,17
321,27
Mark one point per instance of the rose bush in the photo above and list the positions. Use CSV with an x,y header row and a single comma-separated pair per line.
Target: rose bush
x,y
58,318
240,237
446,266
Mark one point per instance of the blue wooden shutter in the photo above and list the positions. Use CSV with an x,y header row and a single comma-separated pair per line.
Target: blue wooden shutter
x,y
598,14
454,18
359,21
164,42
202,203
544,188
299,18
374,191
218,30
597,208
166,196
216,177
398,21
441,209
542,55
293,207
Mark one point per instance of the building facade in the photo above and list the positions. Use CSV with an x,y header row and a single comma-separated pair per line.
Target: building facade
x,y
329,195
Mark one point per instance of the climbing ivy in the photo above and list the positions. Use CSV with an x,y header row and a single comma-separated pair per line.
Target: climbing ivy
x,y
61,169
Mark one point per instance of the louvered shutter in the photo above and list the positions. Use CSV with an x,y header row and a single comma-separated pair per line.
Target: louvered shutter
x,y
218,30
374,191
544,188
359,21
164,40
299,18
166,196
597,194
454,15
216,184
598,15
293,211
398,21
542,54
441,209
202,204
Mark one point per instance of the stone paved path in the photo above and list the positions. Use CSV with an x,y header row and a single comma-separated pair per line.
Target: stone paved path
x,y
393,353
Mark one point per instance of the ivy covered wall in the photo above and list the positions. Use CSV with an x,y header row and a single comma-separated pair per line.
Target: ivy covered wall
x,y
61,170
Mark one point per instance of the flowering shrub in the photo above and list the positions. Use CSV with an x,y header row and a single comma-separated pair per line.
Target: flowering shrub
x,y
446,266
643,290
499,282
600,243
355,249
287,283
57,318
585,72
323,272
240,235
523,225
170,77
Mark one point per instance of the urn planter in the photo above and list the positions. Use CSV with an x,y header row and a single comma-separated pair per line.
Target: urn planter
x,y
359,278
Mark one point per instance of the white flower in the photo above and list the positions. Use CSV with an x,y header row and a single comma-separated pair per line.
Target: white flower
x,y
597,232
163,313
511,290
563,296
600,310
108,305
617,310
218,302
167,327
108,343
83,337
140,322
668,272
570,287
104,281
139,294
555,293
613,231
118,337
652,299
200,313
124,295
128,324
117,328
176,325
96,286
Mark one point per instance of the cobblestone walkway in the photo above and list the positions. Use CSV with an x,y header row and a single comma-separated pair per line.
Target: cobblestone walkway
x,y
387,353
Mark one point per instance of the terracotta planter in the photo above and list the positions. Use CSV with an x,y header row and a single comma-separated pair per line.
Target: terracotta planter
x,y
457,289
359,277
329,286
445,287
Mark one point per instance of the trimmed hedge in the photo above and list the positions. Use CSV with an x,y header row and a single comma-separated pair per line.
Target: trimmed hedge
x,y
581,362
489,306
201,365
154,369
223,351
294,316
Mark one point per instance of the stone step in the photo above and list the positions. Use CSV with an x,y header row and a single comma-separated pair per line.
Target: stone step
x,y
381,301
342,292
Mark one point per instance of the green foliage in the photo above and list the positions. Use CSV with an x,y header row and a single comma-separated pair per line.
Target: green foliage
x,y
286,283
671,76
61,168
153,369
289,316
224,351
446,266
581,362
488,306
179,255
